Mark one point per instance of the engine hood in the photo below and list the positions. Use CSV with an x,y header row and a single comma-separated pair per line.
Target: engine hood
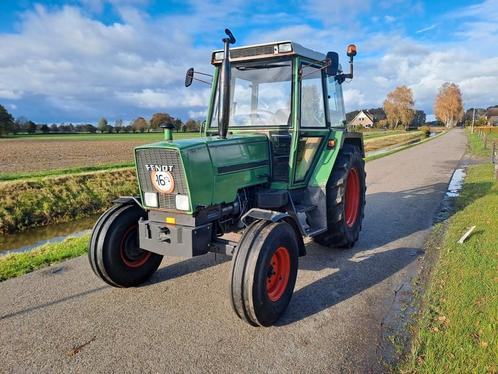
x,y
215,169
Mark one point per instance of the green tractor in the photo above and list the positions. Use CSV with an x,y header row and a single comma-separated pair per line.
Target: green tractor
x,y
275,164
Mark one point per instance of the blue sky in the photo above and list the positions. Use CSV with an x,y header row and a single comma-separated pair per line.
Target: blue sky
x,y
80,60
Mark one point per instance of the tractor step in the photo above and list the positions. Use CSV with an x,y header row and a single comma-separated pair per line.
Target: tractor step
x,y
314,232
302,215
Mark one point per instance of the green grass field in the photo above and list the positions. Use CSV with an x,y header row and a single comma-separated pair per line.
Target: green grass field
x,y
457,330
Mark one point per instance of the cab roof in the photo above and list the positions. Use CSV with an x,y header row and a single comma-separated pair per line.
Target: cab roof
x,y
273,49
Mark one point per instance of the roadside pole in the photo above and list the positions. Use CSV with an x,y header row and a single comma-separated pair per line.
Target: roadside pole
x,y
473,119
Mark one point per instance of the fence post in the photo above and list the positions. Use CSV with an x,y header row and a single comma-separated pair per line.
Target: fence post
x,y
494,157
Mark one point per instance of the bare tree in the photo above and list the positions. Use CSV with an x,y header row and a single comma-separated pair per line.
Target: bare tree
x,y
399,107
448,106
118,125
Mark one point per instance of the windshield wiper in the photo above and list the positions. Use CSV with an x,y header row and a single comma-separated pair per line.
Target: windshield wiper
x,y
266,66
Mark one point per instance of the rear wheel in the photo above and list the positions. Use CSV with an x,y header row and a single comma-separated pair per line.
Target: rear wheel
x,y
114,252
264,271
345,200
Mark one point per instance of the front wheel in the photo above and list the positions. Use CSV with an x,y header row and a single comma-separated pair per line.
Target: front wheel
x,y
114,252
264,271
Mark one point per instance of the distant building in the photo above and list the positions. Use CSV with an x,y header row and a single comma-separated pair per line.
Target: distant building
x,y
492,116
362,119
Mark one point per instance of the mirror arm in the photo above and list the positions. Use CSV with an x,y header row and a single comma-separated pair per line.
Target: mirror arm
x,y
342,77
200,80
208,75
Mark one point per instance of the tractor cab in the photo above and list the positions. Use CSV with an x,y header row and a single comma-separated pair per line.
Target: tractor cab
x,y
290,93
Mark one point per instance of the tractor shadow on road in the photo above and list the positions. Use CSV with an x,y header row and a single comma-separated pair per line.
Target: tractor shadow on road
x,y
185,267
355,274
393,222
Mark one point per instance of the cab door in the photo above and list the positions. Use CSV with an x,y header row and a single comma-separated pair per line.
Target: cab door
x,y
311,129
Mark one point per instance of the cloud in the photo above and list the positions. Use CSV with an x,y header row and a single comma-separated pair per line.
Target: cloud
x,y
428,28
80,66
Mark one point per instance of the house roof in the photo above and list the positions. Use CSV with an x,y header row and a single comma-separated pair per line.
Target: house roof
x,y
492,112
365,113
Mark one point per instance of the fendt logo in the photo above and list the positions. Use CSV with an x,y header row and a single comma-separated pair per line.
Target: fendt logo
x,y
151,167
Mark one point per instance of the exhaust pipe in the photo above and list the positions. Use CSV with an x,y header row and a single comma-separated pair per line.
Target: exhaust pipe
x,y
224,118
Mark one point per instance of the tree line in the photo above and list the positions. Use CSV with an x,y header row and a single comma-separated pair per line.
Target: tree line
x,y
398,109
9,125
448,106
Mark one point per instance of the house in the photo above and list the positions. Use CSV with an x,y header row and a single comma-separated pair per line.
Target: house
x,y
362,119
492,116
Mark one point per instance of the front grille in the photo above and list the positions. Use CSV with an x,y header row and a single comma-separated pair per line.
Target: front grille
x,y
162,157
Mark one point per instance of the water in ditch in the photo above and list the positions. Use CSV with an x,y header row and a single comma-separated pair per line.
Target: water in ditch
x,y
24,241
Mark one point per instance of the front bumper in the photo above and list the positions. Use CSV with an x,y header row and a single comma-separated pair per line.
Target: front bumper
x,y
174,240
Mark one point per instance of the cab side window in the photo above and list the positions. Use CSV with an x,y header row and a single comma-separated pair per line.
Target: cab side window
x,y
312,104
336,103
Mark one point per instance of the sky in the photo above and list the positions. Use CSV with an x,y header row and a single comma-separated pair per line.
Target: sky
x,y
80,60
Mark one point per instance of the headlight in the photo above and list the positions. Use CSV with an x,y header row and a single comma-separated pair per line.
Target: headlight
x,y
218,56
285,47
182,202
150,199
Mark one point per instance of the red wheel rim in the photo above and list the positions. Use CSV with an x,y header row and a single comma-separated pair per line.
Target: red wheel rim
x,y
352,197
278,274
130,252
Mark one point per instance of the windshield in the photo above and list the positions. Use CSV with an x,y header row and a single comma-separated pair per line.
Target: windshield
x,y
261,94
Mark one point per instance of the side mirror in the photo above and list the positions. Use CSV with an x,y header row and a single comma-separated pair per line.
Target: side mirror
x,y
333,59
189,77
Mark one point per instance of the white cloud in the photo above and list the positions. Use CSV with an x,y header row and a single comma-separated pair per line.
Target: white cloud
x,y
428,28
84,67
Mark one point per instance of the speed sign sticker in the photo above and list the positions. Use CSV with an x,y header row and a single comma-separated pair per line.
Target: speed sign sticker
x,y
162,181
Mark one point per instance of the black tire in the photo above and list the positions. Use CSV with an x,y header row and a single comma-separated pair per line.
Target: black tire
x,y
343,221
260,290
113,250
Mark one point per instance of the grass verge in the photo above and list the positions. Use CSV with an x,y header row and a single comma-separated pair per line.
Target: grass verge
x,y
25,204
476,144
456,332
391,140
16,264
60,172
401,147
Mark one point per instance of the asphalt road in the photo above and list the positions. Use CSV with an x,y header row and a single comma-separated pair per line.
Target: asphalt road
x,y
64,319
